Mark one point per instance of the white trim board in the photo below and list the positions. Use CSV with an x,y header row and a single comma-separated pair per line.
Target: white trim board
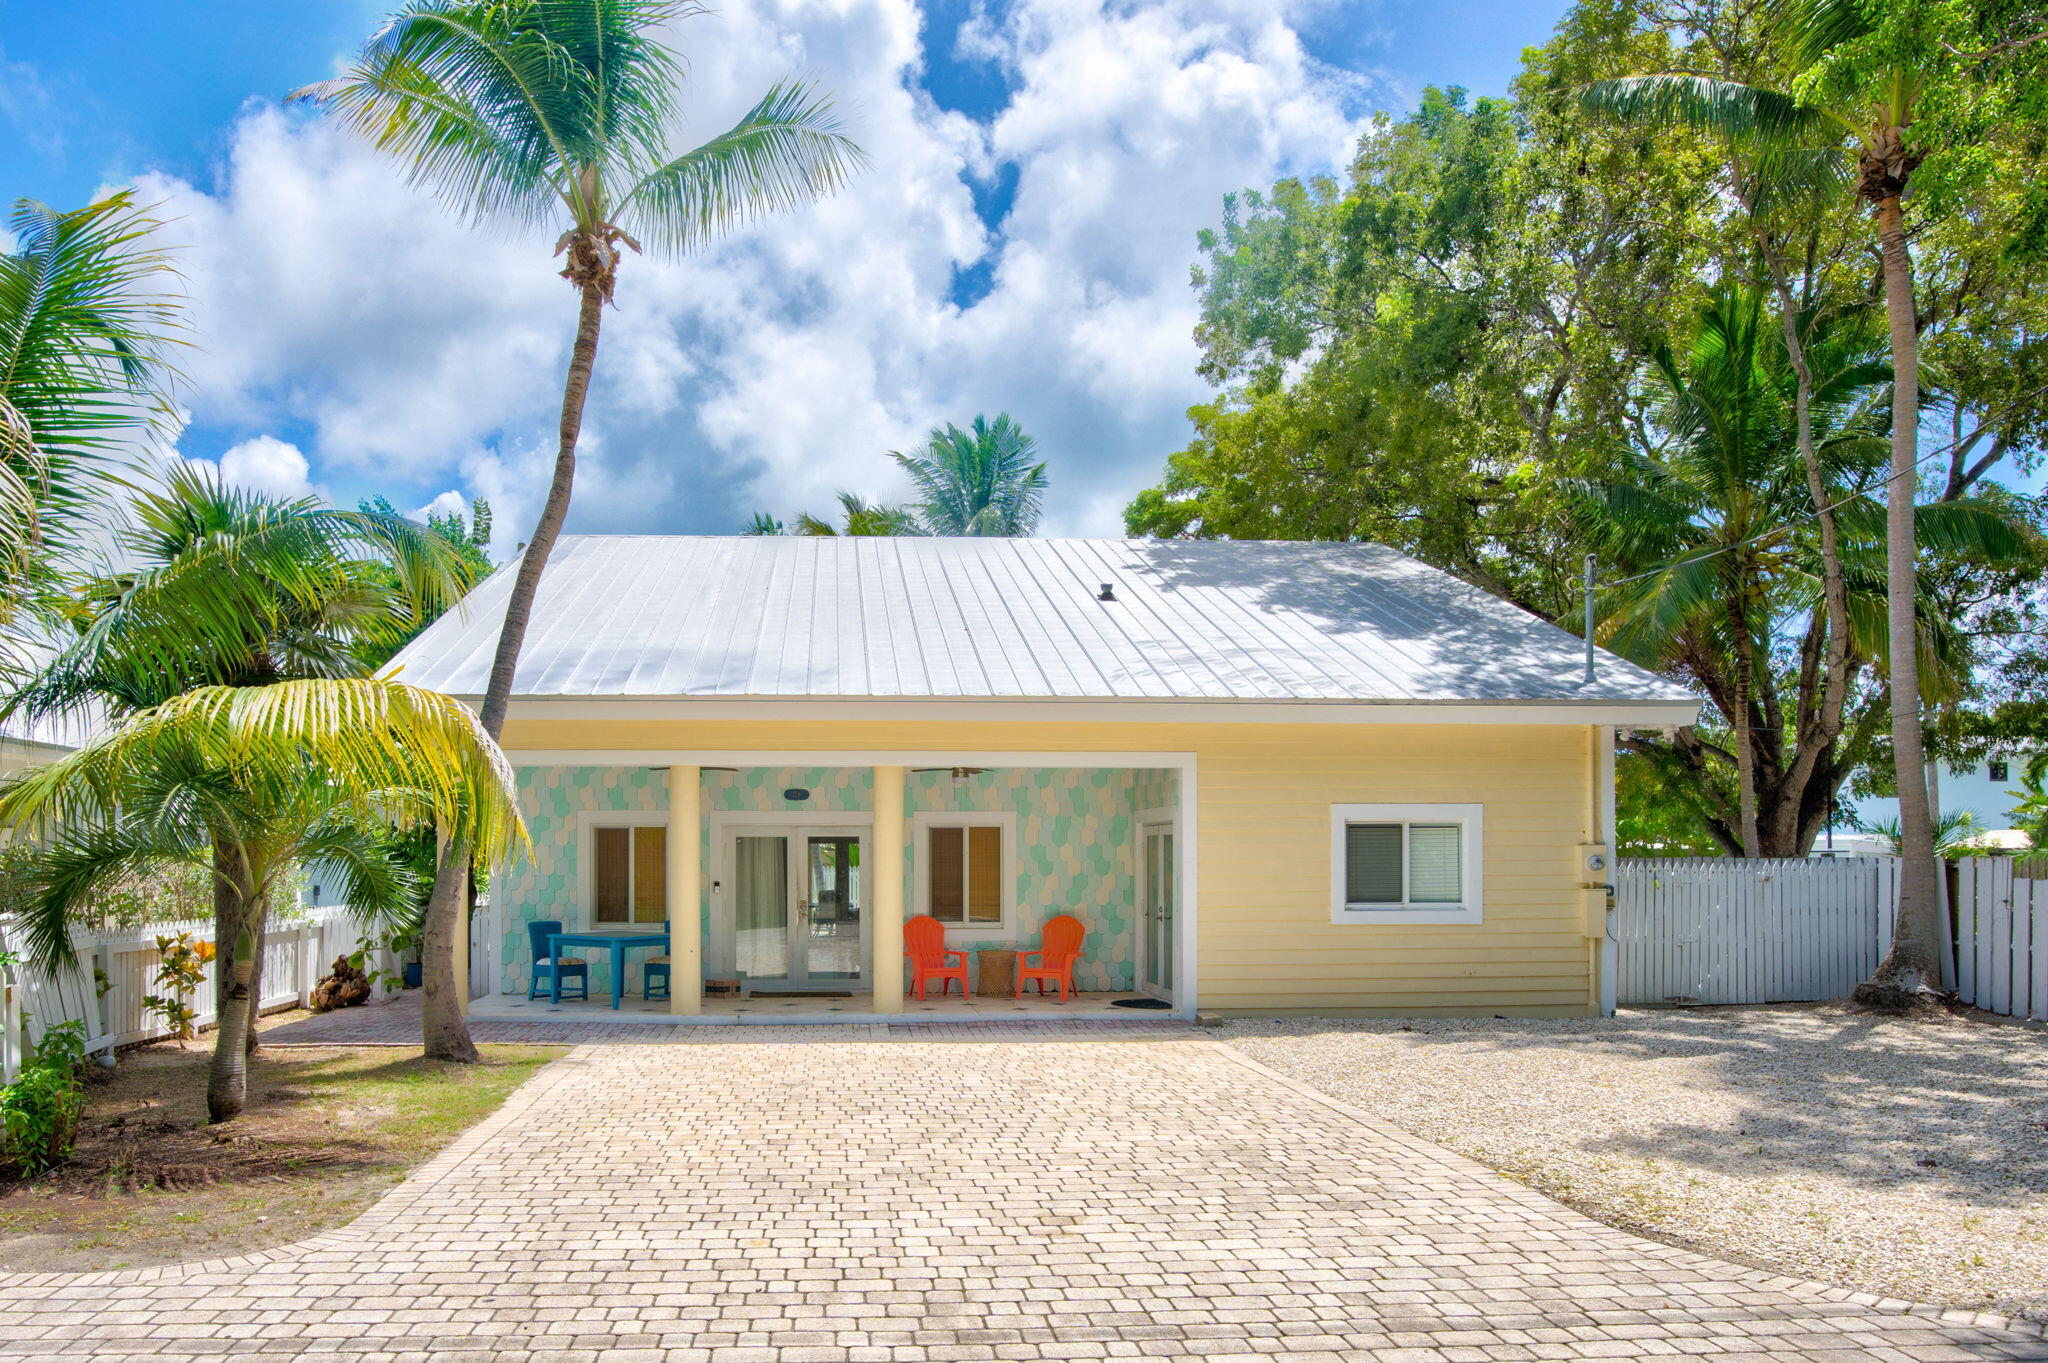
x,y
1647,714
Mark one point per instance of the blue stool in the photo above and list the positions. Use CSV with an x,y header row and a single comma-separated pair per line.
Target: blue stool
x,y
653,972
574,970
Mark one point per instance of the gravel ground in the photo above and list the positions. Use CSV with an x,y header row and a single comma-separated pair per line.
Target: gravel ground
x,y
1908,1158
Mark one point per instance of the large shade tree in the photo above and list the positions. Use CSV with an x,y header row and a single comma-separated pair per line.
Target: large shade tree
x,y
561,113
316,769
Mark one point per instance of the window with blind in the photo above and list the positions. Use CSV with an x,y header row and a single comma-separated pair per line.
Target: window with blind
x,y
1405,863
962,873
629,875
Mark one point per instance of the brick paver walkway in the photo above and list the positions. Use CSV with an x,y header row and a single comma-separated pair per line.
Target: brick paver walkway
x,y
922,1200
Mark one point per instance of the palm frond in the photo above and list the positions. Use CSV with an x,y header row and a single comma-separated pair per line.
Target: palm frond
x,y
362,737
1724,108
789,149
980,481
86,331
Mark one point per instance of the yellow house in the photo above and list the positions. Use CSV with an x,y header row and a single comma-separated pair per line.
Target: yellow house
x,y
1267,777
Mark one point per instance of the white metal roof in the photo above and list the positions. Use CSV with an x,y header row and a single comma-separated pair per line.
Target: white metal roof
x,y
656,616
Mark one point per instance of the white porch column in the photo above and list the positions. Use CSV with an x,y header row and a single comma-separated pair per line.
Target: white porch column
x,y
685,895
885,909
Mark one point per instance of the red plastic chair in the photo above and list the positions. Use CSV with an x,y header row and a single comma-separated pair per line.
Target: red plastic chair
x,y
1062,948
924,941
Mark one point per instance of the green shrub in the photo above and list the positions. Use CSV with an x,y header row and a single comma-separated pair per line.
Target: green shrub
x,y
39,1111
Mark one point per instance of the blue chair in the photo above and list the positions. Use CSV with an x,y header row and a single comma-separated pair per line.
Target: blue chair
x,y
653,976
574,970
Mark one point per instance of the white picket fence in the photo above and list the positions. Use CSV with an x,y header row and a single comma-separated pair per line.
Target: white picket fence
x,y
1705,930
2001,939
295,956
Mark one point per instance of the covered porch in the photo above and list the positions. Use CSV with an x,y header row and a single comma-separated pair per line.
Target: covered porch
x,y
771,887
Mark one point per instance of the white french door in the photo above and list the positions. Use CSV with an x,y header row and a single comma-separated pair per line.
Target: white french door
x,y
1158,899
788,906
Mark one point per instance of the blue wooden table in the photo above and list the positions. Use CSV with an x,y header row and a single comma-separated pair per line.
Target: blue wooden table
x,y
619,943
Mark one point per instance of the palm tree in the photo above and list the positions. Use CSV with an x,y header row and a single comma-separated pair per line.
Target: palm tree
x,y
559,112
84,339
1720,569
220,586
860,517
980,481
299,770
1856,77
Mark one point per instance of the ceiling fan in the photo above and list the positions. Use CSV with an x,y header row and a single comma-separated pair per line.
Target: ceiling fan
x,y
960,774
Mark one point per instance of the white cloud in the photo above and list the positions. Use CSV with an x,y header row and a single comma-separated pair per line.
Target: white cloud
x,y
414,350
266,464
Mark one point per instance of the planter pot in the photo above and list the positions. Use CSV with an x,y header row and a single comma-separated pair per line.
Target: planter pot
x,y
415,974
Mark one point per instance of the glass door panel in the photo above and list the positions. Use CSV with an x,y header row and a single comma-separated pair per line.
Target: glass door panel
x,y
1159,897
831,940
760,908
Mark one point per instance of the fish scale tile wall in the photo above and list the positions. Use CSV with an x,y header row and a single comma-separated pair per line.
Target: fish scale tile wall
x,y
1075,851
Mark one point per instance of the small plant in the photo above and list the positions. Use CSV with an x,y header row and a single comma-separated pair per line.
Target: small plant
x,y
39,1111
398,941
181,970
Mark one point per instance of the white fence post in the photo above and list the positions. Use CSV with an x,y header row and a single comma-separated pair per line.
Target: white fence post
x,y
10,1030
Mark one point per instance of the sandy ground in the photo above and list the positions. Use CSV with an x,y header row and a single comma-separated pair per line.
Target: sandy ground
x,y
1909,1158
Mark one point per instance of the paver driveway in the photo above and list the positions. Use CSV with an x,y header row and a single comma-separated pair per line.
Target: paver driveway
x,y
926,1200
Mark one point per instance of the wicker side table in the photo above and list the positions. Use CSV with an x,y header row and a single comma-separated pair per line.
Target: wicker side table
x,y
995,971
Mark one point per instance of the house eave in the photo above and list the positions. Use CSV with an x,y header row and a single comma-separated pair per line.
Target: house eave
x,y
1650,713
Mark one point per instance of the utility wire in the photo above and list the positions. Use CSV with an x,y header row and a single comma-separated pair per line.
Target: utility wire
x,y
1804,516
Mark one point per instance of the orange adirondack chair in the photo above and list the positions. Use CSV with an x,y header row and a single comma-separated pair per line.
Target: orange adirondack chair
x,y
1061,948
924,941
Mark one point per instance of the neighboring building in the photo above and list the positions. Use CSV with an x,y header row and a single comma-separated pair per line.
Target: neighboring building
x,y
25,744
1987,788
1269,777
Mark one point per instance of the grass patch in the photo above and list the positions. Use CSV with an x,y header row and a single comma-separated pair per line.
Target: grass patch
x,y
327,1132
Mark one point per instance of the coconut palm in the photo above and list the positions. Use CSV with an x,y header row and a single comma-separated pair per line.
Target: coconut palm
x,y
1710,533
221,586
1856,78
559,112
980,481
299,770
860,517
84,336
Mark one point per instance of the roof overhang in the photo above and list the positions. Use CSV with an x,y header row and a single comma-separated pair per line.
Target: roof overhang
x,y
1626,713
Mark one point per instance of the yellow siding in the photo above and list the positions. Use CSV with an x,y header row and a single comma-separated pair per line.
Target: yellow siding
x,y
1264,791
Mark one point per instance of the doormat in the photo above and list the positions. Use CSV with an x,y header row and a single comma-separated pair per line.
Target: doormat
x,y
1139,1003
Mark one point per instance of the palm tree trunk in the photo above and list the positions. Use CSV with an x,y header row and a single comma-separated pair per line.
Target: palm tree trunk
x,y
262,926
228,872
1744,732
1911,969
1834,697
227,1083
444,1034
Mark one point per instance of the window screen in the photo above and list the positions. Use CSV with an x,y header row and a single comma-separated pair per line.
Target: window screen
x,y
629,875
1372,863
612,881
1404,863
966,875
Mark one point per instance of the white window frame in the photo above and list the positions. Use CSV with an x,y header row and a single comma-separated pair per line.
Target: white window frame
x,y
921,823
1470,910
588,821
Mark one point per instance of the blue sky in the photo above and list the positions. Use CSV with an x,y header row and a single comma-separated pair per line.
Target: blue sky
x,y
1022,242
